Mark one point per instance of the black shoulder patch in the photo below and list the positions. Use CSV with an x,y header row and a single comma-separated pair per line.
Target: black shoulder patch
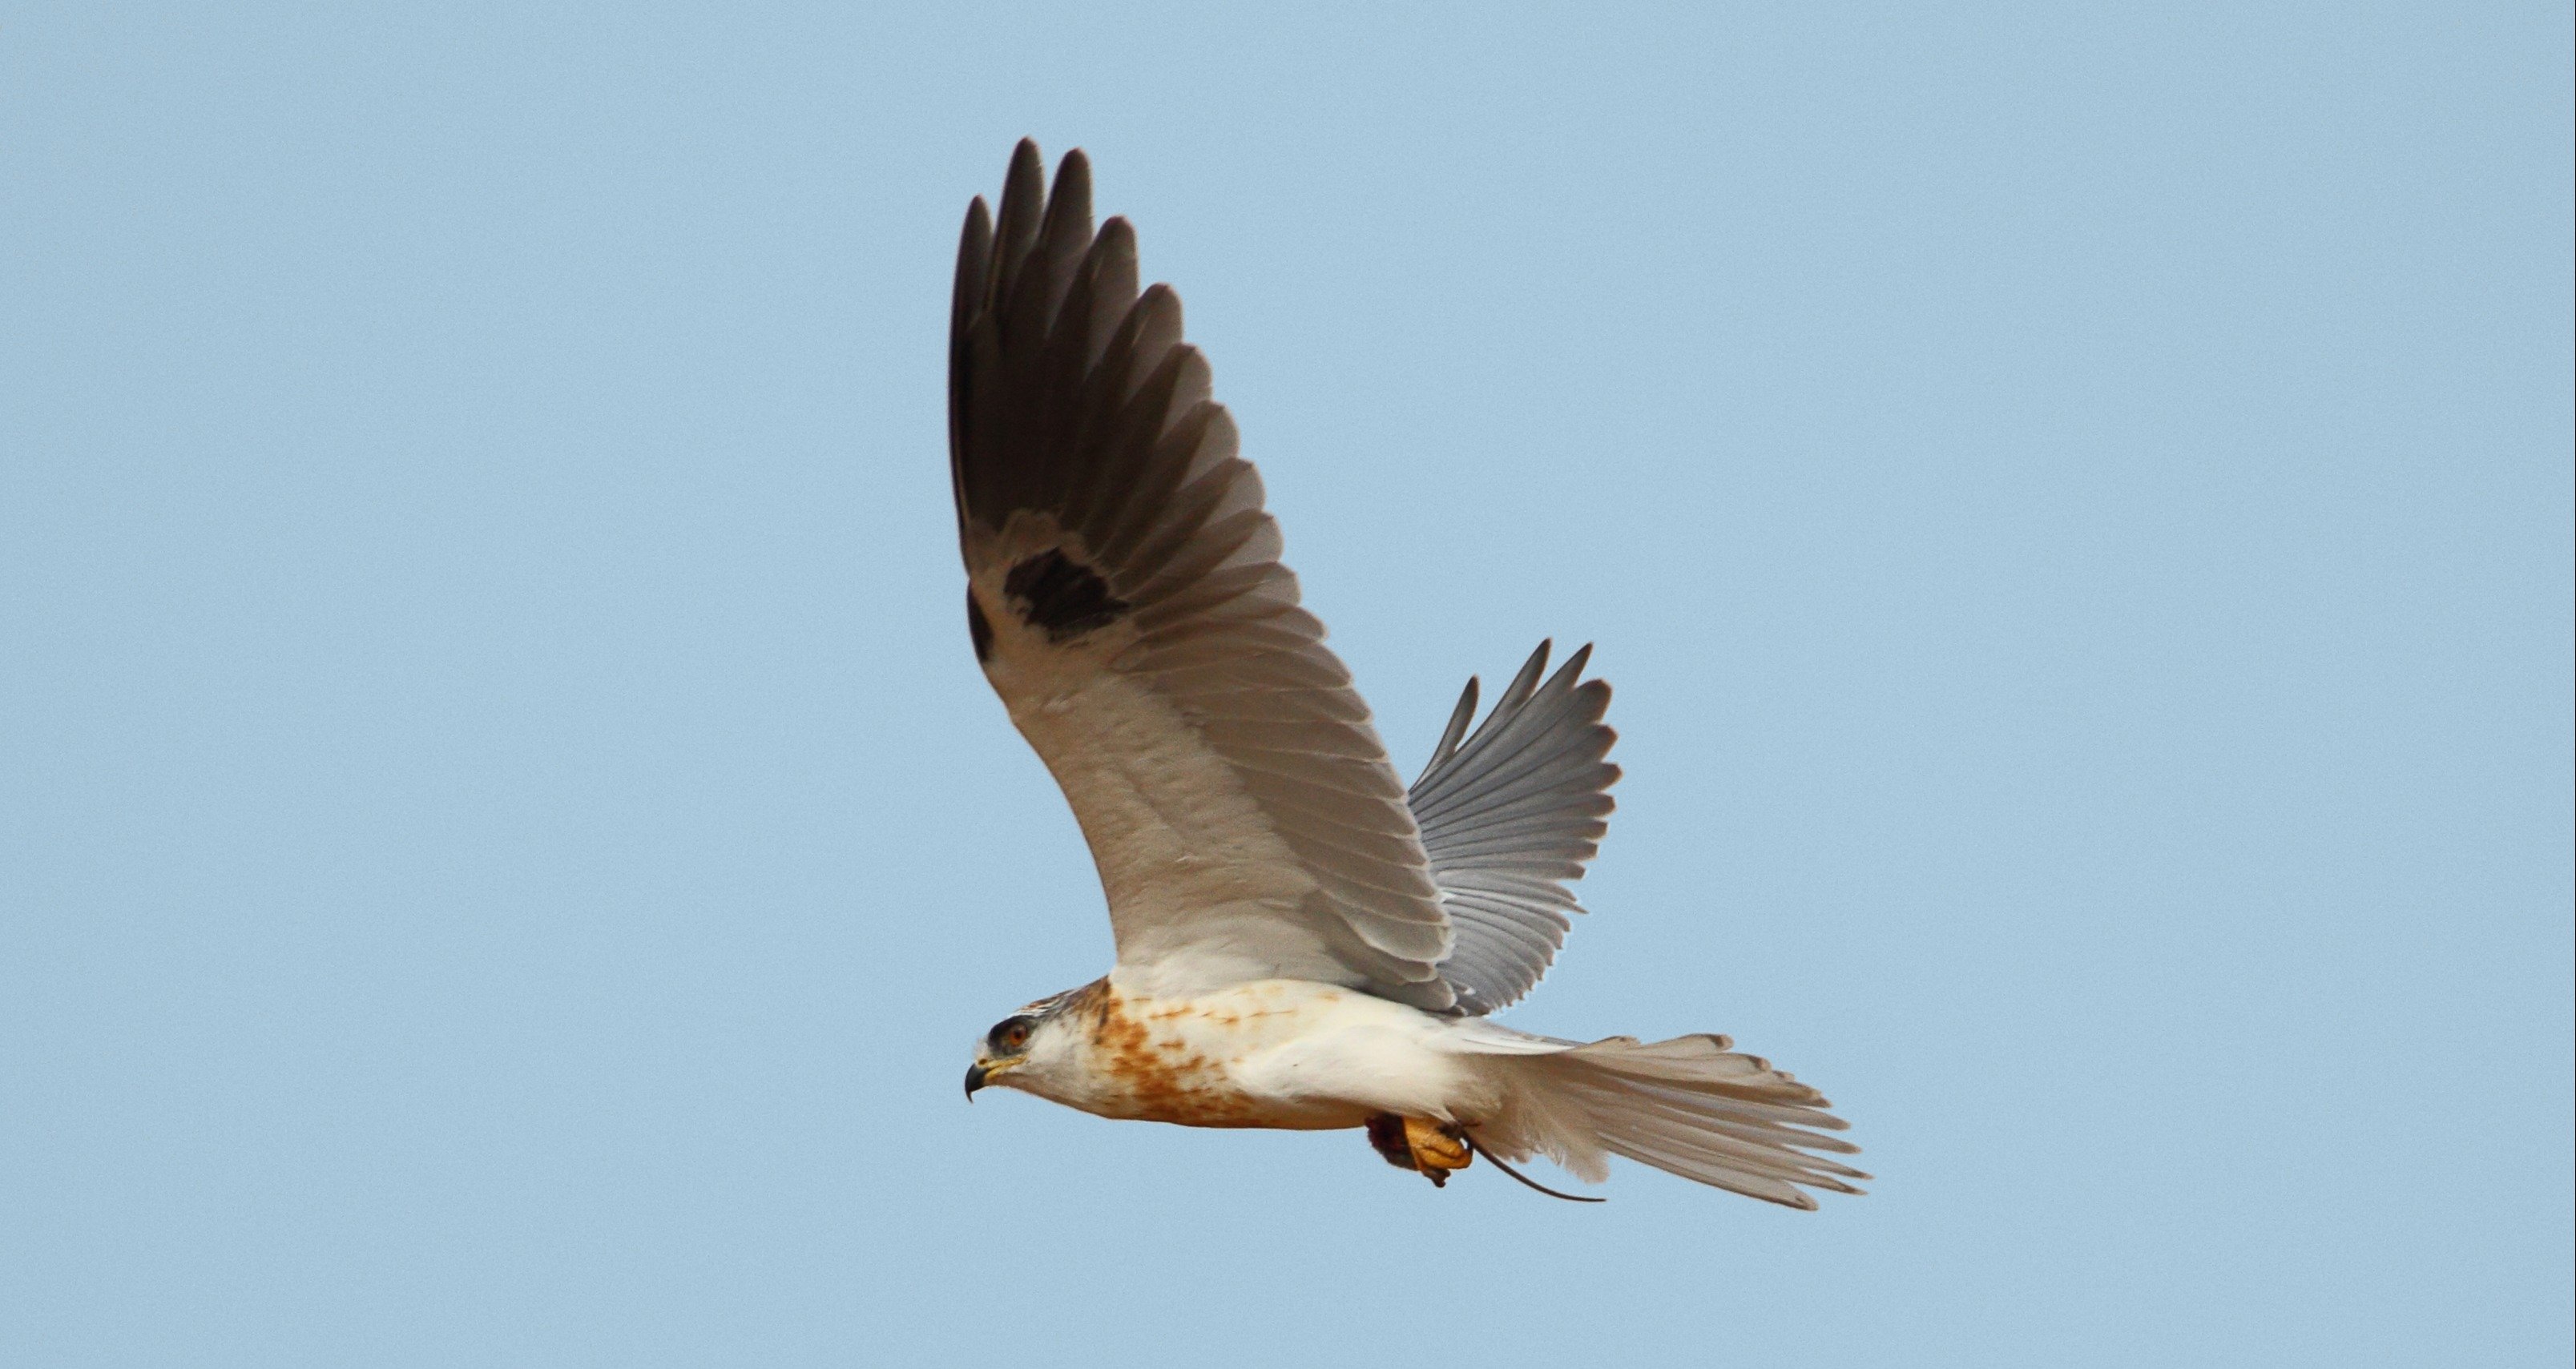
x,y
978,627
1062,596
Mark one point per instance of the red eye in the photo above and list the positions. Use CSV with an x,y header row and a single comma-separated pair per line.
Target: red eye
x,y
1017,1036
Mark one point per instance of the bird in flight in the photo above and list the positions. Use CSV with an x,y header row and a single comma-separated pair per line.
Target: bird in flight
x,y
1303,942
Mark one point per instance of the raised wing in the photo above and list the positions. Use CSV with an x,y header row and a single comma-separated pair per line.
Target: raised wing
x,y
1508,818
1126,600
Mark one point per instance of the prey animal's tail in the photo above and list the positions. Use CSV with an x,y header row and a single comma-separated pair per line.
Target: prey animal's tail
x,y
1688,1106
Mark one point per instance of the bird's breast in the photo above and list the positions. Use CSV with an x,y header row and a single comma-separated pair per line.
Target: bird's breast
x,y
1197,1061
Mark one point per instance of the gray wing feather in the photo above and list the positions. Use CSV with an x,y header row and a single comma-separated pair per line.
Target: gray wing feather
x,y
1508,816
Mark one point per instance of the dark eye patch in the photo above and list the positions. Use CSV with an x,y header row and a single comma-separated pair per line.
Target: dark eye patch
x,y
1010,1034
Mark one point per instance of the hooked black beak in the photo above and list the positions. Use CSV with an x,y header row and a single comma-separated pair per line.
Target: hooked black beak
x,y
974,1081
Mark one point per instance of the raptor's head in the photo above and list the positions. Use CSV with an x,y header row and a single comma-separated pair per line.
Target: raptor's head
x,y
1024,1049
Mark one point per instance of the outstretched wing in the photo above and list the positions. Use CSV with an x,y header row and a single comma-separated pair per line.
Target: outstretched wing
x,y
1126,600
1508,818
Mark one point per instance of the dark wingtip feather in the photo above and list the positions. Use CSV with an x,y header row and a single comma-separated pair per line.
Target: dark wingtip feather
x,y
1072,175
974,260
1163,300
1023,203
1026,158
1068,206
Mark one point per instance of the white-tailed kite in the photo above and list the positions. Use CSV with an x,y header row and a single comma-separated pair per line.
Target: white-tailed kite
x,y
1302,942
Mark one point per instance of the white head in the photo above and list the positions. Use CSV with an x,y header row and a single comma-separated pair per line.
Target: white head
x,y
1037,1049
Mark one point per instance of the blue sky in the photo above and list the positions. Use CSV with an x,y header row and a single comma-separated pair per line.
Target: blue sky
x,y
504,849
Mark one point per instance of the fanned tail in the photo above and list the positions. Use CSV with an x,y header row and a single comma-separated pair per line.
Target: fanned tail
x,y
1688,1106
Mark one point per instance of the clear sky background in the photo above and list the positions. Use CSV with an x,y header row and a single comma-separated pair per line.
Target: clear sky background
x,y
504,849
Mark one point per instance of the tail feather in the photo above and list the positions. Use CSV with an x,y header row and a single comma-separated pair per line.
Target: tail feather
x,y
1750,1131
1688,1106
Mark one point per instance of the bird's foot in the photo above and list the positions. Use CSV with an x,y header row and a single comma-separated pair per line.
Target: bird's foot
x,y
1431,1148
1438,1148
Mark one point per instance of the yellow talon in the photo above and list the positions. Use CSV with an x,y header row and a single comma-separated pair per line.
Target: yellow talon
x,y
1437,1147
1432,1149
